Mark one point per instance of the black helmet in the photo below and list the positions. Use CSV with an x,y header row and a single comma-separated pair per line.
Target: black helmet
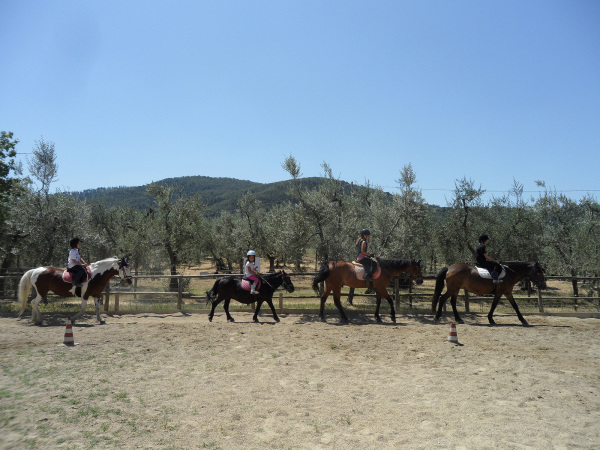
x,y
483,238
73,242
365,232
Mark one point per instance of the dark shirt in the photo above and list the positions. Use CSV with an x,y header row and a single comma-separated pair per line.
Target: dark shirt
x,y
481,259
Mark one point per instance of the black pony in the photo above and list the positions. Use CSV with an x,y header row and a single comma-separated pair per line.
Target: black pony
x,y
228,288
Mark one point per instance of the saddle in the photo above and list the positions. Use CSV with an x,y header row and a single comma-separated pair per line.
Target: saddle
x,y
485,273
359,269
247,284
68,276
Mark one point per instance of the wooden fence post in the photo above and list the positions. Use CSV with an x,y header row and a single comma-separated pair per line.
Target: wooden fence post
x,y
107,291
467,305
397,292
106,302
410,294
540,301
280,301
180,292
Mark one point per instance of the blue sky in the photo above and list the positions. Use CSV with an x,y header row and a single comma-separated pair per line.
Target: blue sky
x,y
132,92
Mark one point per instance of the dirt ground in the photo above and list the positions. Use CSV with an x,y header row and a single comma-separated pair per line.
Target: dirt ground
x,y
179,381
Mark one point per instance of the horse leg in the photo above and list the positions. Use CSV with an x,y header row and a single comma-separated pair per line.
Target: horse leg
x,y
257,310
218,300
270,303
323,300
454,310
338,304
377,317
80,313
392,309
226,308
512,301
97,306
492,309
441,303
36,315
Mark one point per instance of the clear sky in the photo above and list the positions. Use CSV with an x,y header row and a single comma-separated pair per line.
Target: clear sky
x,y
132,92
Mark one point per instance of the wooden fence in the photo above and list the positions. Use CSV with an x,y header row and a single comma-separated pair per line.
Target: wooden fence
x,y
112,297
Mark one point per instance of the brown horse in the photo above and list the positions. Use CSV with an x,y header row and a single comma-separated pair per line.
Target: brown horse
x,y
339,273
46,279
464,276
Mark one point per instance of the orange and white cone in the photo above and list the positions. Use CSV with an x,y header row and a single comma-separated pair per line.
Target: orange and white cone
x,y
69,340
453,336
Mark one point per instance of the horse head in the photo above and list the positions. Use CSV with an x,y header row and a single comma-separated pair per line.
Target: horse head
x,y
287,282
125,271
536,275
415,271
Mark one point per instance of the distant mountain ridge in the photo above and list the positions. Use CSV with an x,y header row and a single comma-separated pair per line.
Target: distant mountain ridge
x,y
218,194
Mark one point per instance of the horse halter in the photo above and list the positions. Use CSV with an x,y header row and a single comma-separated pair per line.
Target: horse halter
x,y
126,275
283,283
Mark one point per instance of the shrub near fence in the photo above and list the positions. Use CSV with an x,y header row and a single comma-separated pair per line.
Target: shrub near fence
x,y
150,293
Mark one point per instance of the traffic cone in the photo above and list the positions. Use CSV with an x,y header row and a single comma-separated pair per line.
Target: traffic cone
x,y
453,336
69,334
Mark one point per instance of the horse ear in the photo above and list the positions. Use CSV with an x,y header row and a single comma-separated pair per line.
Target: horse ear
x,y
418,262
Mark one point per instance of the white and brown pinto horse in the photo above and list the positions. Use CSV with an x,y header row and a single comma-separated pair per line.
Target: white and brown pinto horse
x,y
46,279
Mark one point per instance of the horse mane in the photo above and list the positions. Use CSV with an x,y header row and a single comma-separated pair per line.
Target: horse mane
x,y
103,265
396,264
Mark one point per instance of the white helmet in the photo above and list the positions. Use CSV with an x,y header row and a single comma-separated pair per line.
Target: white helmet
x,y
251,253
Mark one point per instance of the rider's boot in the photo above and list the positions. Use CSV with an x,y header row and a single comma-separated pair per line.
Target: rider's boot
x,y
495,279
253,288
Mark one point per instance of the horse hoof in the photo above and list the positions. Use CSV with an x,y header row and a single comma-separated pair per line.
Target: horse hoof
x,y
277,319
378,319
436,320
255,320
460,321
525,323
102,322
230,319
492,322
210,319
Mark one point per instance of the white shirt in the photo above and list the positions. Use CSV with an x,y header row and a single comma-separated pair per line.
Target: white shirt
x,y
253,266
73,254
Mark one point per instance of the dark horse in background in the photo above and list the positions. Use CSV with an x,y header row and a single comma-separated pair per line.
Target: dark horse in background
x,y
342,273
465,276
228,288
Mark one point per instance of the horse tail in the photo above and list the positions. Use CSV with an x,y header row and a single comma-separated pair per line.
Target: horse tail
x,y
24,289
319,277
212,294
439,286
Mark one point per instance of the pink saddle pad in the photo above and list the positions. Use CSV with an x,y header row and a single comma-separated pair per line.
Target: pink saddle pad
x,y
360,272
68,276
247,285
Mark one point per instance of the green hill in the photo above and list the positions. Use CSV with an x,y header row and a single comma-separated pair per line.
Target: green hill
x,y
219,194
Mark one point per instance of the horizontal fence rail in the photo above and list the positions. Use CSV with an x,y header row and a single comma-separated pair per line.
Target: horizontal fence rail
x,y
402,289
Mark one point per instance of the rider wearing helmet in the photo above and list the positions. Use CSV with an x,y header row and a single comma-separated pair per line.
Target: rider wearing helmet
x,y
76,264
362,254
486,261
251,270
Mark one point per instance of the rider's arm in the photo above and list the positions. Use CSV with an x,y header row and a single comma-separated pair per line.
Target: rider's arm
x,y
490,258
362,249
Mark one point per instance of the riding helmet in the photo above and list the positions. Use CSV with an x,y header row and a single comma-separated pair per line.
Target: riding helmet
x,y
365,232
251,253
483,238
73,242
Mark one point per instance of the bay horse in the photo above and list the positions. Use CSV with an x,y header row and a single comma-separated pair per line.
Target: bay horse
x,y
46,279
465,276
342,273
228,288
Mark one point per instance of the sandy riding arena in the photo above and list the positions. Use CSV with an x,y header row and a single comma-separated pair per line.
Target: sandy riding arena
x,y
178,381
